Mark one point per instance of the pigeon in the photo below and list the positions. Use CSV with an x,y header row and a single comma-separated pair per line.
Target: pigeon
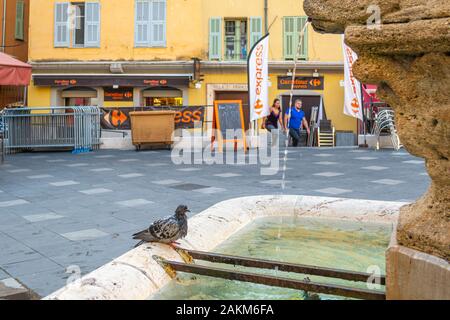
x,y
166,230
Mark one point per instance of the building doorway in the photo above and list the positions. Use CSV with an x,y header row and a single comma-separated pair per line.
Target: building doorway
x,y
78,96
307,101
163,97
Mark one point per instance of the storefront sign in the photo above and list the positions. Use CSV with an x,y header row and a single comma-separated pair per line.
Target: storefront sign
x,y
119,118
301,83
120,94
110,81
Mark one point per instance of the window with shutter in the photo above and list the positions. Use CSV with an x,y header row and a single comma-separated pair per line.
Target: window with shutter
x,y
150,23
292,27
215,49
92,25
61,28
18,34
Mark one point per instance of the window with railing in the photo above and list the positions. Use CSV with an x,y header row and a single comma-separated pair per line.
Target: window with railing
x,y
232,39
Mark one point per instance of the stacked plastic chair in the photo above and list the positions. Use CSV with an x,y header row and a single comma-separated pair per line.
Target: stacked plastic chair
x,y
385,121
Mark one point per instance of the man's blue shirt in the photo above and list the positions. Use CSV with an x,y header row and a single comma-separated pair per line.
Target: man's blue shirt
x,y
296,118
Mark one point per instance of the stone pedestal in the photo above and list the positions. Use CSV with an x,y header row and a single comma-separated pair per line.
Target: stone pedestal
x,y
414,275
407,54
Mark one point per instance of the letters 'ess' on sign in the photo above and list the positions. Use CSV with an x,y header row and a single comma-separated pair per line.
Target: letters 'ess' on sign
x,y
229,116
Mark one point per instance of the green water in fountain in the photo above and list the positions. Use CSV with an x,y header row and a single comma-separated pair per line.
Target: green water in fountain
x,y
314,241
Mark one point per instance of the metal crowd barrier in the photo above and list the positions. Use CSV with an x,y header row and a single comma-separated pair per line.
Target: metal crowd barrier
x,y
77,128
384,120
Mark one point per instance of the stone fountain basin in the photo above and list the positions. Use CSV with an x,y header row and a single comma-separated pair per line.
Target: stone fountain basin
x,y
137,276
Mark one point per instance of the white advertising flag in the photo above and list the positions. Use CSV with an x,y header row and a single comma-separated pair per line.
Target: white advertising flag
x,y
258,79
352,87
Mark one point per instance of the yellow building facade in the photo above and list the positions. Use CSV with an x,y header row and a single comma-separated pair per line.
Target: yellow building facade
x,y
133,53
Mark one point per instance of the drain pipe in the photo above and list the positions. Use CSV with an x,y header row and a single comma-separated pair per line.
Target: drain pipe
x,y
4,26
266,9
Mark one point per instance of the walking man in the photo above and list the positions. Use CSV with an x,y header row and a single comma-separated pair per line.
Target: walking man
x,y
295,120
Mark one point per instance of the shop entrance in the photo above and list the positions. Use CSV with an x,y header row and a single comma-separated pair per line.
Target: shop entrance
x,y
162,97
236,95
78,96
308,103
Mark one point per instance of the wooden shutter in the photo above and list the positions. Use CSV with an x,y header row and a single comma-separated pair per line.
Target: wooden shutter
x,y
292,26
158,23
255,30
19,34
300,23
61,37
215,38
92,25
142,24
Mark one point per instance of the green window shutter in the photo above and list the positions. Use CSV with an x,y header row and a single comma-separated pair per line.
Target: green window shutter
x,y
255,30
19,34
292,26
215,38
303,54
288,38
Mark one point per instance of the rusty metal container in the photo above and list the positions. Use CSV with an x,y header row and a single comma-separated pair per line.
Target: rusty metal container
x,y
152,127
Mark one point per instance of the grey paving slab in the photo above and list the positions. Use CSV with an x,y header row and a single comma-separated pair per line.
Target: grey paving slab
x,y
366,158
17,269
391,182
101,169
189,186
12,203
326,163
42,217
41,176
95,191
19,170
333,191
131,175
210,190
228,175
84,234
64,183
375,168
414,162
329,174
134,202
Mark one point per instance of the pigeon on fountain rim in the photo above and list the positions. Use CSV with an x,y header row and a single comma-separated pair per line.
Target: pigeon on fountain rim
x,y
166,230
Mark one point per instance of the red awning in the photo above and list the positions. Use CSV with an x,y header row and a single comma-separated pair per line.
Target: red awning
x,y
14,72
370,93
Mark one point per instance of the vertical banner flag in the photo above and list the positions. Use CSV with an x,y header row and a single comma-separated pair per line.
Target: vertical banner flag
x,y
352,87
258,79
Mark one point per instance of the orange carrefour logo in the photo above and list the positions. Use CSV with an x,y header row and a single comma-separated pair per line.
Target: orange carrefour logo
x,y
355,105
315,82
258,106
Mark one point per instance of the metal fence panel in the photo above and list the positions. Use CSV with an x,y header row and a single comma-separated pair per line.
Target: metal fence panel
x,y
52,127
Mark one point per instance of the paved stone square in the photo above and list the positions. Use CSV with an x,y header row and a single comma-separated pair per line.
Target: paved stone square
x,y
61,212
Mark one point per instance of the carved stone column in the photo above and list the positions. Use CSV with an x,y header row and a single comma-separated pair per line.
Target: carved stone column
x,y
408,56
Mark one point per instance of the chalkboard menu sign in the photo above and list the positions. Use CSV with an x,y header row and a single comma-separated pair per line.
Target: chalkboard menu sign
x,y
229,116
